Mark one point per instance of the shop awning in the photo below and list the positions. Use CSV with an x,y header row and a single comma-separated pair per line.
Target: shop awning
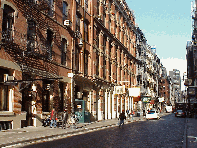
x,y
136,99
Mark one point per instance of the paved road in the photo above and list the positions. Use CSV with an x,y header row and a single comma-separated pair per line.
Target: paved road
x,y
166,132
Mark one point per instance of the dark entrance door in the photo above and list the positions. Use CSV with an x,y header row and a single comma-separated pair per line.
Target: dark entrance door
x,y
27,106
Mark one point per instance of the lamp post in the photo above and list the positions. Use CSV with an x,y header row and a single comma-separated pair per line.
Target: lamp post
x,y
77,34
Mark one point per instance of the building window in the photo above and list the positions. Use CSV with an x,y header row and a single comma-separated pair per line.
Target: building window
x,y
120,56
97,63
98,4
97,38
78,1
115,18
110,63
77,23
65,11
119,34
7,24
104,17
64,51
31,35
109,27
77,52
86,5
109,4
86,32
86,62
51,10
119,18
49,43
104,58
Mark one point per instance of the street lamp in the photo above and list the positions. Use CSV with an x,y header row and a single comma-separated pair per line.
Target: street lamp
x,y
77,34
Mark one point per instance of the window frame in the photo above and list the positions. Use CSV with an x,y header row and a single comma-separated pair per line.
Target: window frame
x,y
64,52
65,10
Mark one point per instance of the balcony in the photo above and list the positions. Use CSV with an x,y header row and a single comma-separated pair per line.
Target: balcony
x,y
7,36
42,4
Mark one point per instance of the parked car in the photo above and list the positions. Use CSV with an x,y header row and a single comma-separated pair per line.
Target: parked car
x,y
152,114
168,109
180,113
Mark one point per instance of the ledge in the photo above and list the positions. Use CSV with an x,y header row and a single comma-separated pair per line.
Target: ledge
x,y
6,113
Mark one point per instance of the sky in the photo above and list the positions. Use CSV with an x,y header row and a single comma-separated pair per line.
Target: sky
x,y
168,25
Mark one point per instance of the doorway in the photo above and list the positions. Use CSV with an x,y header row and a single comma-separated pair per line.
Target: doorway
x,y
27,98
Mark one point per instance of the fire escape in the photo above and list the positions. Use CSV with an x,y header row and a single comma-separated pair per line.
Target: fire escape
x,y
31,50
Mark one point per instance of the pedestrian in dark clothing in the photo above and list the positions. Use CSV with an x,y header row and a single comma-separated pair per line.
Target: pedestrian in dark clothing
x,y
64,118
53,118
122,117
128,115
132,114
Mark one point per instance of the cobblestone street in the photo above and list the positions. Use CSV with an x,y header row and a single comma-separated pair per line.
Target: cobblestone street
x,y
166,132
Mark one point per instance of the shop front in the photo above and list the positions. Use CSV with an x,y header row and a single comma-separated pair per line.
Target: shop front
x,y
146,103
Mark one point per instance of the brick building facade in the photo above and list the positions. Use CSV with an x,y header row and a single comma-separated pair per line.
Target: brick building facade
x,y
41,44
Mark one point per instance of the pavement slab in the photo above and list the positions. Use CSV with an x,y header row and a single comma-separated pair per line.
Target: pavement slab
x,y
191,135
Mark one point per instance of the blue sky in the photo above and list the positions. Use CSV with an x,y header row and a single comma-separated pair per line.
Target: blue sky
x,y
166,24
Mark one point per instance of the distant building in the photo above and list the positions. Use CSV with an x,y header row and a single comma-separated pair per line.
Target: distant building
x,y
164,89
176,85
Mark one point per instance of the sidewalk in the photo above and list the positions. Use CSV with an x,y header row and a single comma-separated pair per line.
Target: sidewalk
x,y
190,133
36,134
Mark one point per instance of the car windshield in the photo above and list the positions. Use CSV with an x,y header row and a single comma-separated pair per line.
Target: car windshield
x,y
151,112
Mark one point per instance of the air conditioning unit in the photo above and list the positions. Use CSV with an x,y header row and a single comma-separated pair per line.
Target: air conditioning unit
x,y
67,23
8,78
5,77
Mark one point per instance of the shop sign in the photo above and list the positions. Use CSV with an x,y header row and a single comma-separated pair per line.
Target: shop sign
x,y
120,89
146,99
161,99
191,90
134,92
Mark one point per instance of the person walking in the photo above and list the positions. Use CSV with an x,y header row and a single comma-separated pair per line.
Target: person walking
x,y
122,117
53,118
127,111
64,119
132,114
